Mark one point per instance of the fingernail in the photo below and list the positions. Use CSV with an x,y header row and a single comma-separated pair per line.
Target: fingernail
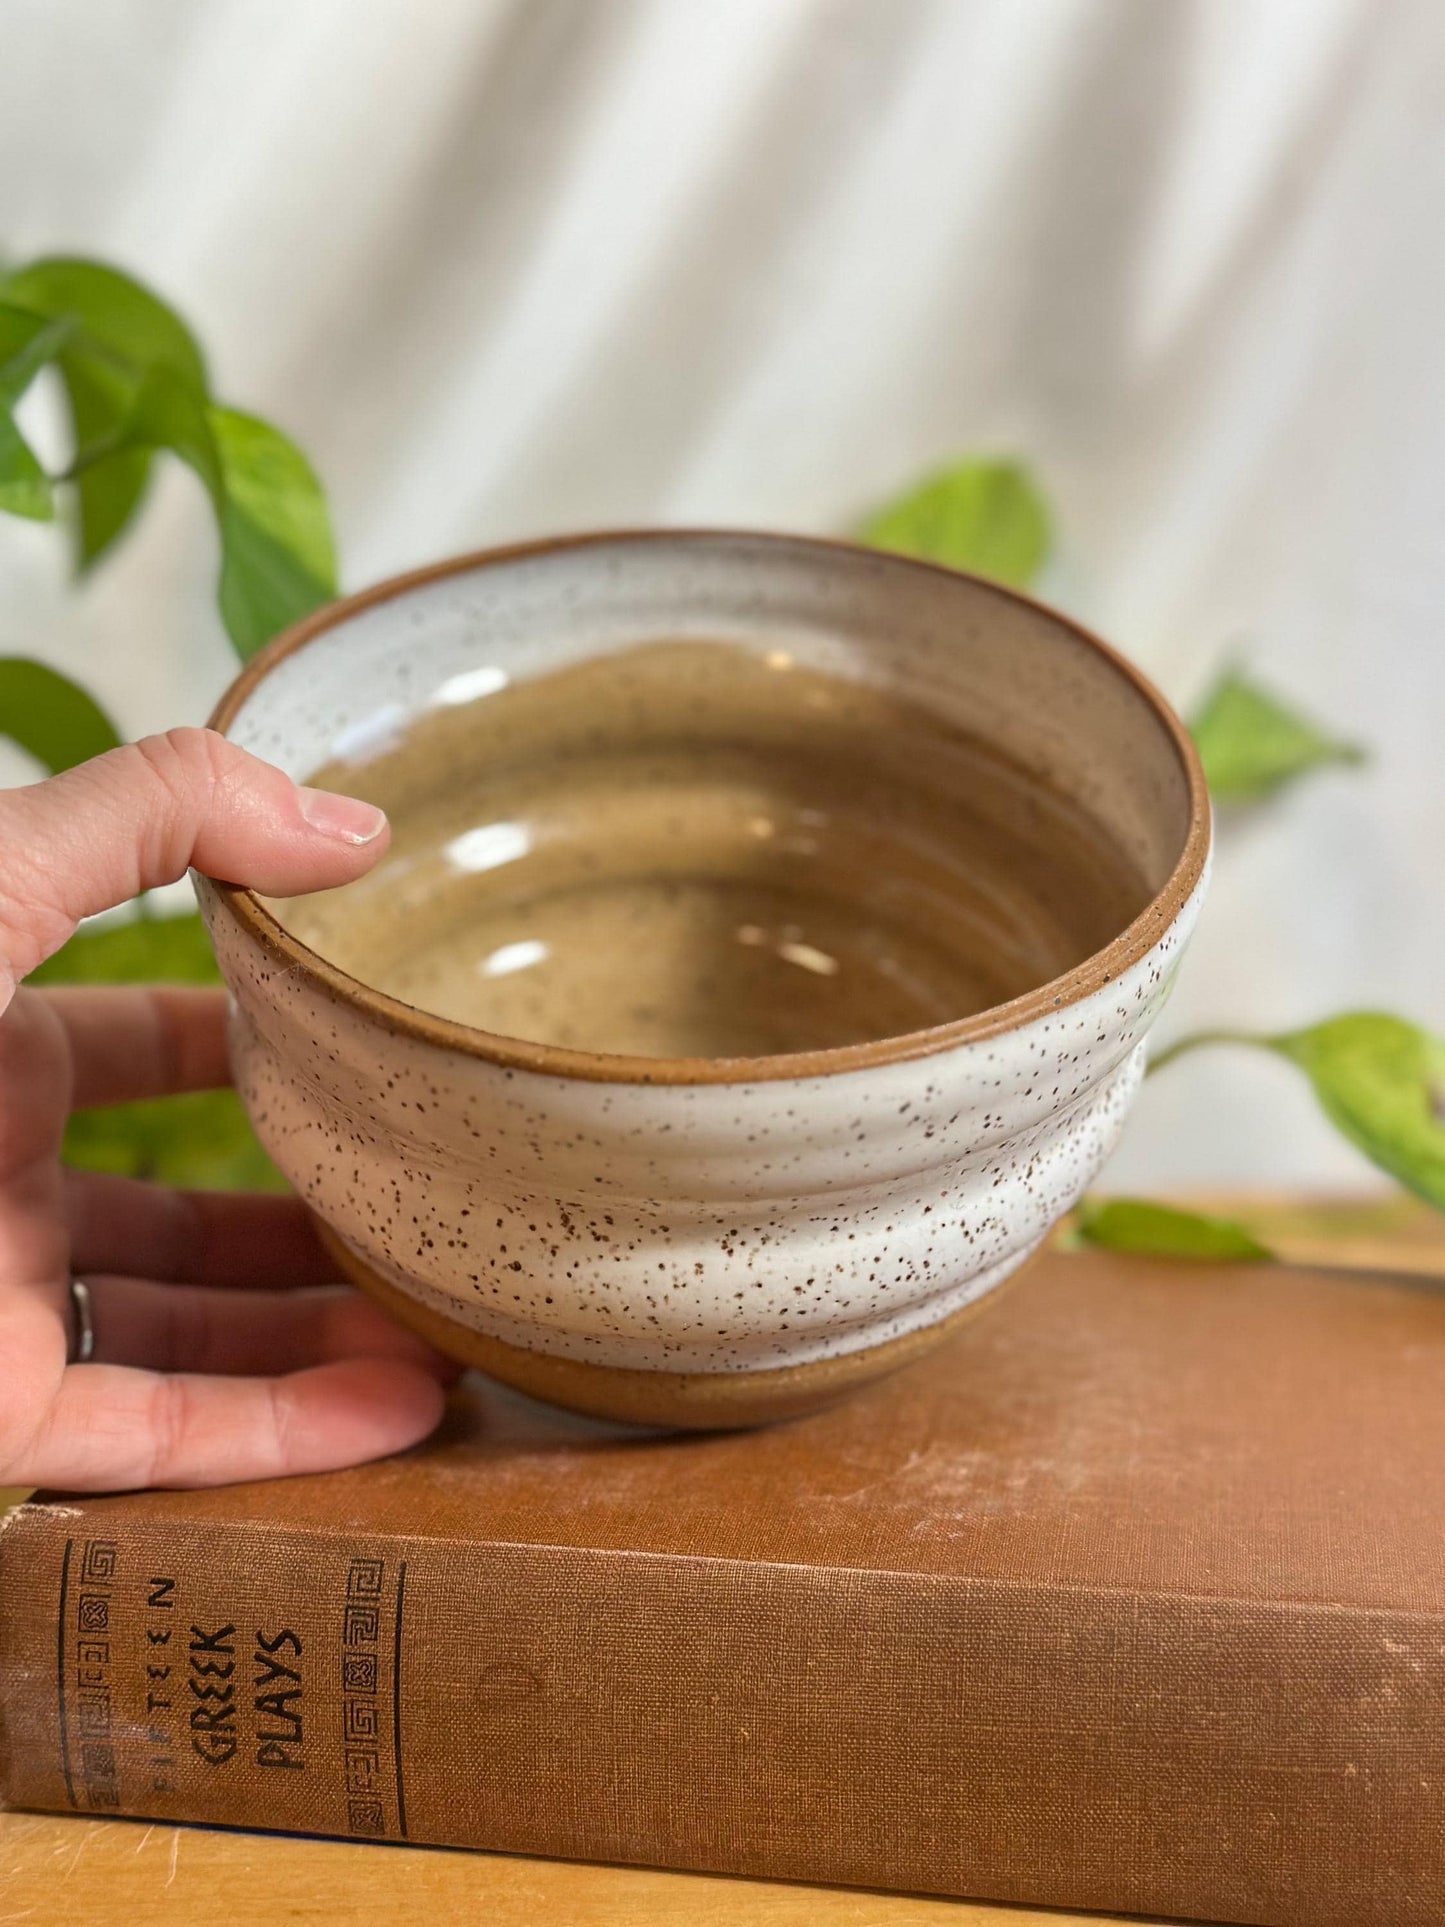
x,y
346,818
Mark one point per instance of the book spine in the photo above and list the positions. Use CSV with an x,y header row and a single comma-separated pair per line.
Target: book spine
x,y
1200,1758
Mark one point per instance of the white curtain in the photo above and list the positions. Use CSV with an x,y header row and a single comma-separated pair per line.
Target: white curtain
x,y
535,264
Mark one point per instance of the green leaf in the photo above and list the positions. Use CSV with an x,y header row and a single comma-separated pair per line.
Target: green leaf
x,y
136,382
121,318
110,488
201,1139
50,716
24,485
1381,1082
278,558
167,413
1251,745
123,331
1379,1079
984,516
145,950
1139,1226
27,343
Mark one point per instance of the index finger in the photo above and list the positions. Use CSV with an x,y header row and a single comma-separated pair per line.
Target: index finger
x,y
143,1040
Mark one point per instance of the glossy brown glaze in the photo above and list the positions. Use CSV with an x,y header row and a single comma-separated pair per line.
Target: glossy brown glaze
x,y
692,849
1126,948
686,1219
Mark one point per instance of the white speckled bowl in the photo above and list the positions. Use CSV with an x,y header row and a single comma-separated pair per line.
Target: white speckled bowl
x,y
629,1236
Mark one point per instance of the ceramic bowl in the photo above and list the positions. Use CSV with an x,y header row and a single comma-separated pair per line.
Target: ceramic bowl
x,y
705,1242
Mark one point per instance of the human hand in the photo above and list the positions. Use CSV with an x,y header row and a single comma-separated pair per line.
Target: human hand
x,y
222,1348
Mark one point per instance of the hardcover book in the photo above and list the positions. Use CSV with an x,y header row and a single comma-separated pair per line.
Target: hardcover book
x,y
1132,1597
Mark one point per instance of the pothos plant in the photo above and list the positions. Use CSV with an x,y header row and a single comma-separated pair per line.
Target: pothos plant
x,y
136,387
1379,1079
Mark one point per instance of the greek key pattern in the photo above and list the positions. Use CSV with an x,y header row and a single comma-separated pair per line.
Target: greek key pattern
x,y
92,1675
361,1710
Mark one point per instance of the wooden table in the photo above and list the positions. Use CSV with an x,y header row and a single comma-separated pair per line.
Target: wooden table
x,y
67,1872
83,1872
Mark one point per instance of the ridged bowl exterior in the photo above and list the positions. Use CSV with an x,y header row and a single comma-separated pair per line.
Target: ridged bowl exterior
x,y
698,1219
686,1227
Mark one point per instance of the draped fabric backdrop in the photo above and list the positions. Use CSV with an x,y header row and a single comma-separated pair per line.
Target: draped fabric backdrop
x,y
512,266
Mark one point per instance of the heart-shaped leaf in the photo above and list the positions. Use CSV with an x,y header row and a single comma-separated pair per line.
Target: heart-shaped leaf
x,y
121,332
1251,745
24,485
117,314
1147,1229
1380,1081
136,382
50,716
984,516
27,343
1378,1078
278,559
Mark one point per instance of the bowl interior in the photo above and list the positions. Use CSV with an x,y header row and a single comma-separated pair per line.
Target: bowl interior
x,y
722,796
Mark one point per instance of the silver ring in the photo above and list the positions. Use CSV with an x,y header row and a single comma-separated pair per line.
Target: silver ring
x,y
82,1324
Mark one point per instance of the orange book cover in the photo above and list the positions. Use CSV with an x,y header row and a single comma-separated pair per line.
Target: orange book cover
x,y
1132,1597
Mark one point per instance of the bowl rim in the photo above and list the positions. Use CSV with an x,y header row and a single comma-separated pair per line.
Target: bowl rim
x,y
1101,967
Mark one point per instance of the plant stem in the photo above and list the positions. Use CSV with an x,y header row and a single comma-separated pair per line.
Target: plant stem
x,y
1196,1040
93,452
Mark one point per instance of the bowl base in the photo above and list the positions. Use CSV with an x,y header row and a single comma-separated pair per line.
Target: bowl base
x,y
681,1401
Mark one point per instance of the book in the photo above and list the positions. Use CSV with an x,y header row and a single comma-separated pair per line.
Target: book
x,y
1131,1597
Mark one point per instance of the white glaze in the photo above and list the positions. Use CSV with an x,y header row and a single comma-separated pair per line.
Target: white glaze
x,y
705,1226
685,1218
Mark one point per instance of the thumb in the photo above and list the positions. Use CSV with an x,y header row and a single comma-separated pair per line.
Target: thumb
x,y
141,816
